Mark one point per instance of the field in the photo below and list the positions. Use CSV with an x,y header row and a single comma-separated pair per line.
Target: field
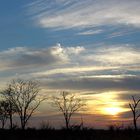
x,y
87,134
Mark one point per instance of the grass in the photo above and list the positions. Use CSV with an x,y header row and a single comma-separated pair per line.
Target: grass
x,y
85,134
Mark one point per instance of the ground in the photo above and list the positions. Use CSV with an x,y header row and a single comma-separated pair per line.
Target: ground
x,y
87,134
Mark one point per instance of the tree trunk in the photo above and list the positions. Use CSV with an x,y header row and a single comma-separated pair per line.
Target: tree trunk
x,y
135,124
22,123
23,126
11,115
3,124
11,121
67,123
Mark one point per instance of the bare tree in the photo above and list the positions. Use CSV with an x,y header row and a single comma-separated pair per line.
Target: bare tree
x,y
25,98
68,104
3,113
11,108
134,106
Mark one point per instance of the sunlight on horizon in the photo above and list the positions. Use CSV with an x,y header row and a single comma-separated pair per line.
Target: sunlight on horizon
x,y
112,110
107,103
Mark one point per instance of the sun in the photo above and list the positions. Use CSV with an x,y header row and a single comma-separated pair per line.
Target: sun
x,y
112,110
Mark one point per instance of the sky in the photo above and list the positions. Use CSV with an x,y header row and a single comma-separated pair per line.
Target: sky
x,y
90,48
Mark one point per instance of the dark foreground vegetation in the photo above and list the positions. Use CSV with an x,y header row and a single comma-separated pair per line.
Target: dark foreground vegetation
x,y
87,134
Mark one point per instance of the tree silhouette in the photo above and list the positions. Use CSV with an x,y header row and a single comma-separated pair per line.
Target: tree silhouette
x,y
134,106
68,104
11,108
25,98
3,113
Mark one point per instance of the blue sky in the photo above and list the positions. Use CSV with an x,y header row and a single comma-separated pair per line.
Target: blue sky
x,y
91,47
20,24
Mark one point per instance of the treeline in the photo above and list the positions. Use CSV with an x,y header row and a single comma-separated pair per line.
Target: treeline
x,y
64,134
21,98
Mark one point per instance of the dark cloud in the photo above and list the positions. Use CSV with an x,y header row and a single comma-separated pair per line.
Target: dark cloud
x,y
43,57
101,84
126,115
20,57
127,96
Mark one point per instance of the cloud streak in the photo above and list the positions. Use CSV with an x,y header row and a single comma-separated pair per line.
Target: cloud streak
x,y
90,32
23,56
72,59
76,68
83,14
96,84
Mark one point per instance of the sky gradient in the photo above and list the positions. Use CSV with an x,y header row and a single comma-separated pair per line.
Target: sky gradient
x,y
87,47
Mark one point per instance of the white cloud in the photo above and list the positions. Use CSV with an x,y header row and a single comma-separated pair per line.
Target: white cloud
x,y
117,55
90,32
72,59
112,60
122,32
24,57
115,67
71,70
73,13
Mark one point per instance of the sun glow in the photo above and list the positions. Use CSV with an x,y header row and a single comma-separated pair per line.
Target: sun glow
x,y
112,110
107,103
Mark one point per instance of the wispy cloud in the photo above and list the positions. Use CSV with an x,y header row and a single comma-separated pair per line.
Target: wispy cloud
x,y
102,68
117,55
95,84
122,32
90,32
64,14
72,59
23,56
